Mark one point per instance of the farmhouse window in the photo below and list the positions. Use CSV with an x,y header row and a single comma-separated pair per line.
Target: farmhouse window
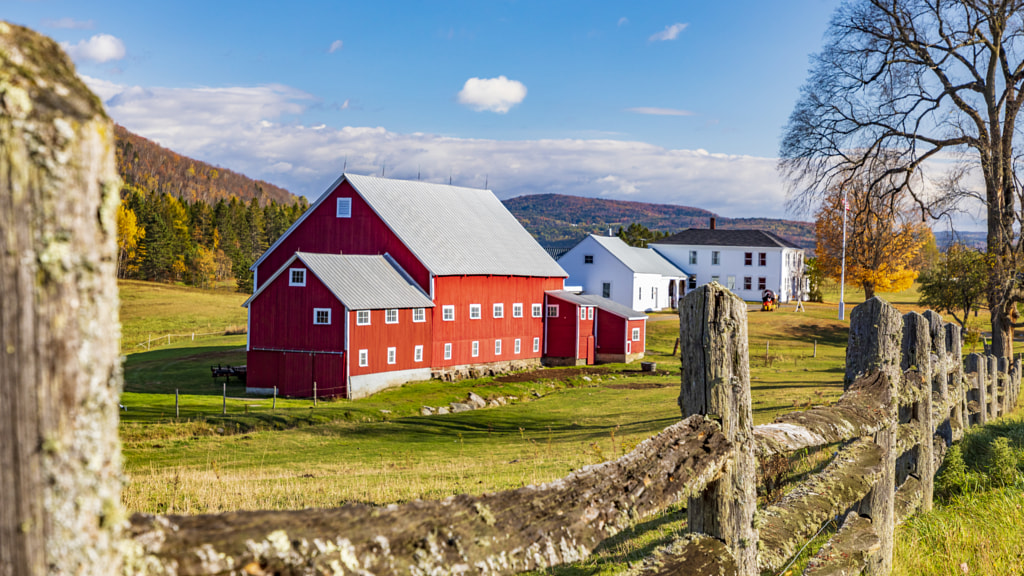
x,y
362,318
344,208
693,256
762,283
497,347
321,316
536,344
552,310
762,259
747,285
715,279
606,290
715,258
640,293
417,354
419,315
517,310
748,258
537,310
499,311
364,359
448,313
693,282
474,311
392,355
730,282
476,348
448,351
636,334
518,346
296,276
590,313
588,259
391,316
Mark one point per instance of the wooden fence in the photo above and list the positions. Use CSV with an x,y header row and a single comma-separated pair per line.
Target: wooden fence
x,y
907,397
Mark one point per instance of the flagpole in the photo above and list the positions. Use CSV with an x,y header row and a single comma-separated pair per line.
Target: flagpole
x,y
842,275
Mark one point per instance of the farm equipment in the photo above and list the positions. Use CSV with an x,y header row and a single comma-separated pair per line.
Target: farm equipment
x,y
769,301
226,372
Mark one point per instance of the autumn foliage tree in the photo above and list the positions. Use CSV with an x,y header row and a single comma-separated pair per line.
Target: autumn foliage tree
x,y
882,243
956,283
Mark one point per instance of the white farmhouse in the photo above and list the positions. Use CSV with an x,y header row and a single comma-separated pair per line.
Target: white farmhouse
x,y
745,261
638,278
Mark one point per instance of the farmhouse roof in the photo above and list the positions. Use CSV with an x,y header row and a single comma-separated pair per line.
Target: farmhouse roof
x,y
720,237
452,230
602,303
639,260
360,282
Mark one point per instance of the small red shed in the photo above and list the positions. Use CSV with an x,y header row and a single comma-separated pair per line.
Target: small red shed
x,y
621,331
569,338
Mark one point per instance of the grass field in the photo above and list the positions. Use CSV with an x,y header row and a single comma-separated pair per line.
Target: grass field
x,y
151,310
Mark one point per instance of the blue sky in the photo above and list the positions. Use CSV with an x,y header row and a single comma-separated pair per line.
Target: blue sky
x,y
676,102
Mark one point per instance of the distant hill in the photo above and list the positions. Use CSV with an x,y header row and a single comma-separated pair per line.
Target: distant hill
x,y
977,240
560,221
146,165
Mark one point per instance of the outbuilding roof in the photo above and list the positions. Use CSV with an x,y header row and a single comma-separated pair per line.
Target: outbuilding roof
x,y
639,260
360,282
720,237
452,230
599,302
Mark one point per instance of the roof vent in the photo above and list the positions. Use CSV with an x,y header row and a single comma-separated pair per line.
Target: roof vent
x,y
712,224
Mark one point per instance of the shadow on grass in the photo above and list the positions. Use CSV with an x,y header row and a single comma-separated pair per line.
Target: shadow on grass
x,y
185,369
825,335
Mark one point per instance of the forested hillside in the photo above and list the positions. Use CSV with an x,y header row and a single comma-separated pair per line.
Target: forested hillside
x,y
559,221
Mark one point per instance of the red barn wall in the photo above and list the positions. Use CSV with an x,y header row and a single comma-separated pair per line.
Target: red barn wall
x,y
323,232
293,373
561,336
378,336
611,330
587,340
638,346
461,291
282,316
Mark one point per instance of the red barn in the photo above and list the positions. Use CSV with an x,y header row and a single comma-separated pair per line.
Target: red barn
x,y
584,329
621,331
483,273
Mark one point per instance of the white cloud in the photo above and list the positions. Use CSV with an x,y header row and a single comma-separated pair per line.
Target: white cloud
x,y
100,48
660,111
335,46
623,21
492,94
253,130
69,24
669,33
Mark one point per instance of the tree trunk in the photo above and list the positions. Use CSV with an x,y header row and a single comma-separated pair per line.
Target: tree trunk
x,y
60,458
869,290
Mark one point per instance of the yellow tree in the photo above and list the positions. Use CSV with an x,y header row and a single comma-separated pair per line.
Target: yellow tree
x,y
129,234
883,241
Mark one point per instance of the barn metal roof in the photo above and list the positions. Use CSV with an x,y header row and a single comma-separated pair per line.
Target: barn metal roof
x,y
599,302
639,260
359,282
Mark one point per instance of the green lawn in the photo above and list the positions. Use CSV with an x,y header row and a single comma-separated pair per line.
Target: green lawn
x,y
153,311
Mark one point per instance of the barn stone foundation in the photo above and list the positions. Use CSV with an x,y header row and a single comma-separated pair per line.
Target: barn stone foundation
x,y
453,373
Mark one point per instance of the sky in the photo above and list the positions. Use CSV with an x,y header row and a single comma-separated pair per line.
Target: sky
x,y
671,102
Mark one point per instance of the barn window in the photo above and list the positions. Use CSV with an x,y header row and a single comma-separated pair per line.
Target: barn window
x,y
536,344
588,259
536,310
762,283
448,351
590,313
364,359
419,315
762,259
518,347
344,209
448,313
748,258
583,312
517,310
391,316
476,348
296,276
321,315
499,311
417,355
497,347
474,311
392,355
606,290
636,334
362,318
553,311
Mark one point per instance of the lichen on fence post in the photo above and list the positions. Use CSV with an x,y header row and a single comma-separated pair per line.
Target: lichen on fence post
x,y
941,419
917,355
876,333
993,387
977,368
957,389
716,383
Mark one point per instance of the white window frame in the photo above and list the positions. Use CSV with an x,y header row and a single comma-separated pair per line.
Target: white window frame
x,y
388,316
636,334
392,355
693,257
343,208
590,313
518,347
316,316
475,348
762,283
748,283
419,315
583,312
364,358
417,354
537,310
536,343
497,347
716,258
762,258
748,258
517,310
498,310
606,289
474,312
552,310
360,314
291,277
447,350
448,313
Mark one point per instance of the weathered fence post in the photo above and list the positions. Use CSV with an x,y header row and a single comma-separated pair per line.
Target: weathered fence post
x,y
1016,381
177,412
993,387
876,333
977,367
917,355
224,405
716,383
60,376
956,390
